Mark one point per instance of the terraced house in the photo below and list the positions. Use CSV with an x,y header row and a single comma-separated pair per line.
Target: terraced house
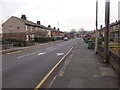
x,y
114,33
22,29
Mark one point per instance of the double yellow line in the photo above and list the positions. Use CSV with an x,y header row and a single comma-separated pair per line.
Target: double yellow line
x,y
45,78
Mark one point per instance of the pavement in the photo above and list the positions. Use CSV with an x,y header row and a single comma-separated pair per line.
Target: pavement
x,y
84,69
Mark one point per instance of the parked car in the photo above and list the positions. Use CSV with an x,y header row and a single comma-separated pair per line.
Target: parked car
x,y
65,38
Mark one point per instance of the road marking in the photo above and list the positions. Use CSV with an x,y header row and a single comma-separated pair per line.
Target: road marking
x,y
45,78
28,54
59,54
41,54
51,47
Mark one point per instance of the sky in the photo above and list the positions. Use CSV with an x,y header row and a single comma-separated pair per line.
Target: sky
x,y
65,14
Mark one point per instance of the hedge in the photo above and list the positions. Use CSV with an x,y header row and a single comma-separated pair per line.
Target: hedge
x,y
47,39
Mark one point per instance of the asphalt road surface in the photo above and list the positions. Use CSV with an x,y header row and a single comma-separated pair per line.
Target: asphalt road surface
x,y
26,68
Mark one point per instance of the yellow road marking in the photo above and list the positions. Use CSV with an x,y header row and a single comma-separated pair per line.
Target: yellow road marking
x,y
45,78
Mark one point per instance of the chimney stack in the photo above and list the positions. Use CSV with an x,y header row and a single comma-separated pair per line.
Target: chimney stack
x,y
101,26
24,17
54,28
38,22
49,26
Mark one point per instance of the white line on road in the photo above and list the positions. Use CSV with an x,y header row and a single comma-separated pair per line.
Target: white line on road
x,y
51,47
28,54
41,54
59,54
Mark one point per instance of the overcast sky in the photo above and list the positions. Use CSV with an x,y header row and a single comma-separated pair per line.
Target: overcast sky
x,y
69,13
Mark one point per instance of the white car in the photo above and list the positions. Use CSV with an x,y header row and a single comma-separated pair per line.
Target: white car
x,y
65,38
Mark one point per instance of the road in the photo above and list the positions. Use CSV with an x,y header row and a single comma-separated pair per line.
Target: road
x,y
26,68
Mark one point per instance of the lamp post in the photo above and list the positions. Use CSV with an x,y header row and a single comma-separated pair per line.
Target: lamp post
x,y
106,31
96,33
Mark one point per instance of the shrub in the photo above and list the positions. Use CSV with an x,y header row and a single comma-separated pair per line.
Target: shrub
x,y
26,44
92,38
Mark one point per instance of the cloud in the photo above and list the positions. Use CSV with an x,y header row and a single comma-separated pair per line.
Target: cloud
x,y
70,13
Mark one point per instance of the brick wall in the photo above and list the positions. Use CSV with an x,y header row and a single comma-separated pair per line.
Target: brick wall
x,y
19,36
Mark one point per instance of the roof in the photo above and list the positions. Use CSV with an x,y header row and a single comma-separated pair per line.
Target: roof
x,y
27,22
115,23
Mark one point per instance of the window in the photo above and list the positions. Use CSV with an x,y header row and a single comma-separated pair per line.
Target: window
x,y
32,37
27,37
36,28
26,27
18,27
31,28
114,27
11,28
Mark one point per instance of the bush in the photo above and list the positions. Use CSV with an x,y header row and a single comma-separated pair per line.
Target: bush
x,y
47,39
92,38
43,39
26,44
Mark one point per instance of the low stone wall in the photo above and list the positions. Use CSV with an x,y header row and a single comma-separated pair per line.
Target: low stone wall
x,y
114,58
101,50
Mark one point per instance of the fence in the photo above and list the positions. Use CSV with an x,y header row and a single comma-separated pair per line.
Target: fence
x,y
7,46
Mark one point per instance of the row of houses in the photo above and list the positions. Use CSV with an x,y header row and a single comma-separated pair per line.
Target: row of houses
x,y
114,31
23,29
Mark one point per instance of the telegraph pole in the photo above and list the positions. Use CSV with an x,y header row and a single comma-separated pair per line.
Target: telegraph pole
x,y
96,35
106,32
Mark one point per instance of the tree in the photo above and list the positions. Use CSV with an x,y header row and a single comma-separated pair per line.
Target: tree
x,y
81,31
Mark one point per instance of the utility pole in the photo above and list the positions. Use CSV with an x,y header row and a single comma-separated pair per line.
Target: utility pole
x,y
106,32
96,33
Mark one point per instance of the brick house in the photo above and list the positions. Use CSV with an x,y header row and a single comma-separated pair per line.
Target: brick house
x,y
56,33
114,32
22,29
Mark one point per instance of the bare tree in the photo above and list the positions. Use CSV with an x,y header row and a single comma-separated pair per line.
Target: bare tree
x,y
81,31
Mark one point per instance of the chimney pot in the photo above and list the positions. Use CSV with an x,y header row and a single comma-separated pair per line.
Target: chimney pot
x,y
49,26
54,28
24,17
38,22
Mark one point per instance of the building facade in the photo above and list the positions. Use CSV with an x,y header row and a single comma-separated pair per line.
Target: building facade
x,y
114,32
22,29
